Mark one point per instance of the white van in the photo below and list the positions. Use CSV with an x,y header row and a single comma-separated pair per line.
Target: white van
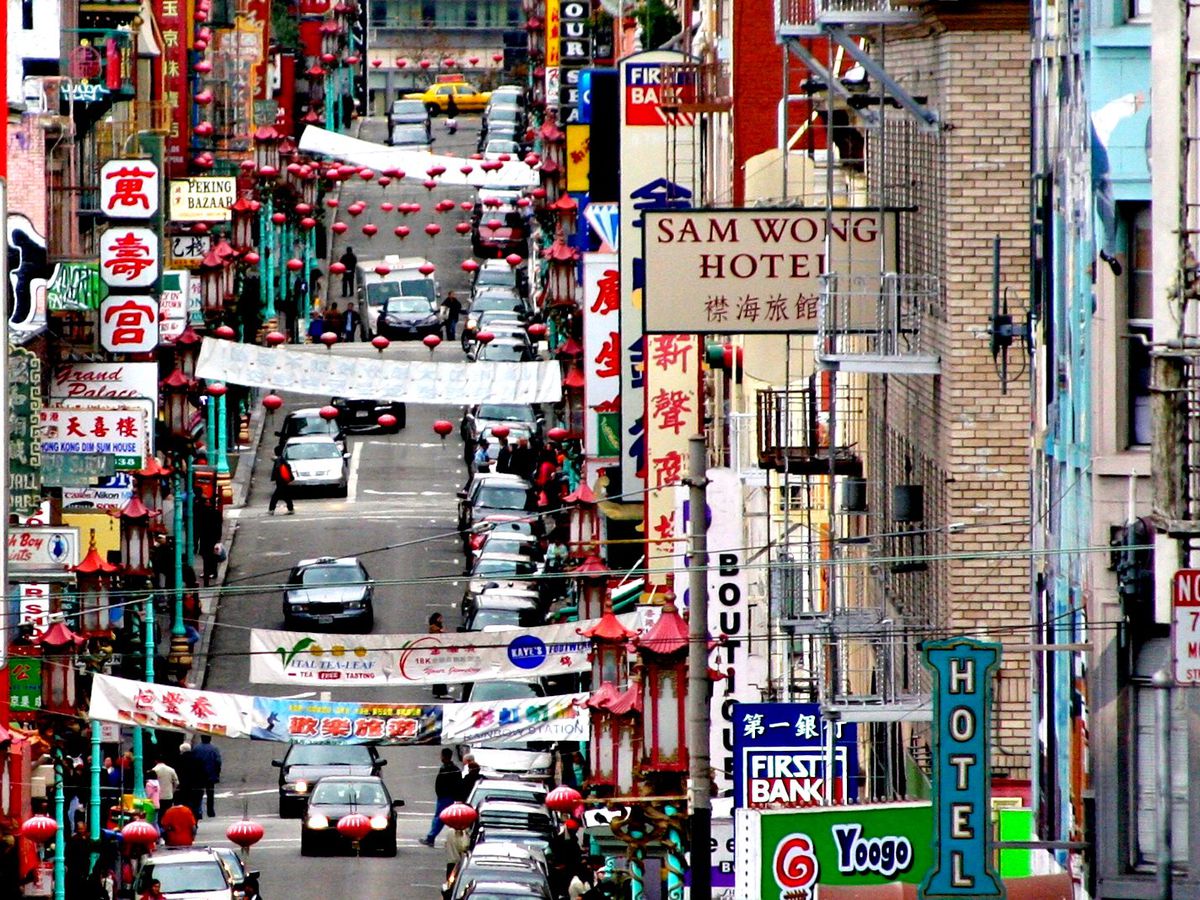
x,y
404,279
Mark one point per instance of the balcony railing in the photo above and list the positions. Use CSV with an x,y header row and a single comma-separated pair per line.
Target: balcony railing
x,y
878,323
793,430
797,18
697,88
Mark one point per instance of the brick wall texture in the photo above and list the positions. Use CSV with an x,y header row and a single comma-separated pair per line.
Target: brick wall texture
x,y
27,170
955,433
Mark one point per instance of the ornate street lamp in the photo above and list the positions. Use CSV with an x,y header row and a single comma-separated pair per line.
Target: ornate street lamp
x,y
176,390
266,149
212,285
94,575
59,645
610,641
148,482
664,656
135,538
592,576
187,350
243,213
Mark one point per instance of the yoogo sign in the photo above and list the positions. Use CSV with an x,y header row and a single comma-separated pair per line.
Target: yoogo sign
x,y
785,855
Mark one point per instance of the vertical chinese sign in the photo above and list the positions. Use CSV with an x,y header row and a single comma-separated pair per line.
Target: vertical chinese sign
x,y
25,685
24,448
174,20
602,356
130,255
644,185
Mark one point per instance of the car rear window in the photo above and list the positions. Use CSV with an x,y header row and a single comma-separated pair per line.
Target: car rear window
x,y
330,755
318,575
187,877
496,496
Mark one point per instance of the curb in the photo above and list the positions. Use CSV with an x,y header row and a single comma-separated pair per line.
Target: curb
x,y
210,597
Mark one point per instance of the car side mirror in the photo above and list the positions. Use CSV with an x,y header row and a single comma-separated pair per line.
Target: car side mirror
x,y
277,763
397,804
461,495
462,629
380,763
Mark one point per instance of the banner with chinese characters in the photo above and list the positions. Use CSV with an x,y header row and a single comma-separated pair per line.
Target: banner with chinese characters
x,y
644,185
673,414
129,257
174,18
129,189
205,198
24,445
25,686
601,355
129,324
297,657
301,720
173,303
123,434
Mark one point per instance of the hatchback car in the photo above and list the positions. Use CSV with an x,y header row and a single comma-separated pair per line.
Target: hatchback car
x,y
317,462
335,796
195,873
409,112
484,870
308,422
329,592
503,890
497,273
363,415
488,494
512,814
501,350
408,317
303,765
516,416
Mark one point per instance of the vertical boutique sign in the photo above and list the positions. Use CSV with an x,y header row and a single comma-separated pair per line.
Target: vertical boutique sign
x,y
963,670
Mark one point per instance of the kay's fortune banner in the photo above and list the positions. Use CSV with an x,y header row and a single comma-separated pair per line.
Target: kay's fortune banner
x,y
739,271
303,658
310,721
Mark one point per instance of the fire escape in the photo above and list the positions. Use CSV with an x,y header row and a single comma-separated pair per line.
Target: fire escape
x,y
853,646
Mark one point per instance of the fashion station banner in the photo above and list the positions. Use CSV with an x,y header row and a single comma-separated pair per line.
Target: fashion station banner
x,y
308,721
322,660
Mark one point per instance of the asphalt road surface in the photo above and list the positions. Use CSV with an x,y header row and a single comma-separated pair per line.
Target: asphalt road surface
x,y
400,519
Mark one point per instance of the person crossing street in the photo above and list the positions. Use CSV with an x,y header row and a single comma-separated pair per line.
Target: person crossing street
x,y
447,787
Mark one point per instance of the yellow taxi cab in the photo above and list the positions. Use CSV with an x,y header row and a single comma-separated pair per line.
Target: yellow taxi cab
x,y
466,97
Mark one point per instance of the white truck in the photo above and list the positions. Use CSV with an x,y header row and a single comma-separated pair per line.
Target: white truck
x,y
404,278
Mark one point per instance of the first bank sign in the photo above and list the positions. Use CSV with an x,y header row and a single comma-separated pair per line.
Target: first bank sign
x,y
963,670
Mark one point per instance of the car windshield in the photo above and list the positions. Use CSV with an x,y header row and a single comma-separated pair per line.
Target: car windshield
x,y
410,108
319,575
505,301
497,352
507,543
504,114
409,134
408,305
379,292
483,792
501,147
505,412
305,425
506,618
188,877
343,793
498,276
329,755
503,567
318,450
419,287
501,496
524,838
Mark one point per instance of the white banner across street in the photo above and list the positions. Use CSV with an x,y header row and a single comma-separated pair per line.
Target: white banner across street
x,y
324,660
362,378
561,718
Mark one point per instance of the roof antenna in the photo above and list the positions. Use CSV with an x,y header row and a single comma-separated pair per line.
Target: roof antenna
x,y
1001,328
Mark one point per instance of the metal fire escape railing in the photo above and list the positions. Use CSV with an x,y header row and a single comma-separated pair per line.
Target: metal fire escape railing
x,y
793,431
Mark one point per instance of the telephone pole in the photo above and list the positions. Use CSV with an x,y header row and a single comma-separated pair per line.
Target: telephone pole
x,y
699,687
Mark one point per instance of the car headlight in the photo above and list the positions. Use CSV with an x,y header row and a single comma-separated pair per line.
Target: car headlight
x,y
472,324
318,822
379,822
355,604
301,786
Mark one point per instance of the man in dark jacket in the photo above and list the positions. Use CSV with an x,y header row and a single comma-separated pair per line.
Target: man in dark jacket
x,y
210,760
446,789
191,779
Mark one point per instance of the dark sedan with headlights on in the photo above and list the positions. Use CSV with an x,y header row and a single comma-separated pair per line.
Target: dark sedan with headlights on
x,y
335,796
408,317
303,765
326,593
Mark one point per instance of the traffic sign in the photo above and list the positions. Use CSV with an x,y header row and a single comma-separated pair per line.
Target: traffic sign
x,y
1185,626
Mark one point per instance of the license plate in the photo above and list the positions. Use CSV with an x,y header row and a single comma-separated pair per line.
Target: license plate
x,y
360,414
324,620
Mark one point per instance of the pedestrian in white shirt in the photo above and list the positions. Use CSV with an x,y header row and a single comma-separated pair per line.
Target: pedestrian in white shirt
x,y
168,784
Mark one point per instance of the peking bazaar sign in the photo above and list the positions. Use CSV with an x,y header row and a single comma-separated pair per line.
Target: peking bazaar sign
x,y
745,271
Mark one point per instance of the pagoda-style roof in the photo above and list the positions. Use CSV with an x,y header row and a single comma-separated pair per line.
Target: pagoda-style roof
x,y
581,494
608,628
94,564
574,378
59,635
669,635
571,347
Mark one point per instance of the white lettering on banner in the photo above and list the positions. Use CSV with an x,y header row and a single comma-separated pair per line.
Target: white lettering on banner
x,y
34,606
416,381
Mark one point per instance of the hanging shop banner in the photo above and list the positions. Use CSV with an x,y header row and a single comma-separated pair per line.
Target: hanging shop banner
x,y
75,287
25,686
786,855
561,718
415,381
308,721
553,33
105,381
781,753
173,303
963,670
33,607
644,185
601,355
205,198
111,494
187,250
129,257
42,548
129,189
579,163
759,270
175,24
123,434
24,444
129,324
297,657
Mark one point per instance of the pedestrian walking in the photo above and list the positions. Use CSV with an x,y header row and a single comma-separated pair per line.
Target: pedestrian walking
x,y
178,826
334,320
282,475
481,462
453,307
316,326
504,457
210,759
522,461
168,783
458,842
351,323
350,261
472,774
446,787
437,625
191,779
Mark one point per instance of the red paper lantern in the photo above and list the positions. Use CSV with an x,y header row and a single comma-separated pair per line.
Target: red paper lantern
x,y
427,268
497,57
337,268
467,170
563,799
431,341
433,229
355,826
557,433
278,218
449,63
380,343
339,227
331,202
370,230
385,206
275,338
401,62
465,206
224,332
204,129
537,331
513,259
39,829
203,98
401,231
473,59
245,833
458,816
435,171
303,209
366,174
328,413
469,265
384,181
485,337
523,202
442,428
494,223
463,227
218,389
424,64
295,265
308,222
139,832
501,431
272,402
429,183
200,228
387,420
383,269
377,63
251,258
329,339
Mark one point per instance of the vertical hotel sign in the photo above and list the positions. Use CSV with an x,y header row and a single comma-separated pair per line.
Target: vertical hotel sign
x,y
174,20
602,355
644,185
963,670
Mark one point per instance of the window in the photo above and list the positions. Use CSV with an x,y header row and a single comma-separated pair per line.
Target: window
x,y
1139,328
27,15
1139,10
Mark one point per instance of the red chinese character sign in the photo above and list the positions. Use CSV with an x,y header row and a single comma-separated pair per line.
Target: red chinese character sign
x,y
129,257
129,189
129,324
602,354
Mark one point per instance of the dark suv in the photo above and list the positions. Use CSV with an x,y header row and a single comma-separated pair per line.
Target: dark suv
x,y
329,592
303,764
363,415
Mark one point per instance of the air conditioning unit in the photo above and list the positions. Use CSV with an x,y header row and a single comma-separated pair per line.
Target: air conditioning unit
x,y
33,91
